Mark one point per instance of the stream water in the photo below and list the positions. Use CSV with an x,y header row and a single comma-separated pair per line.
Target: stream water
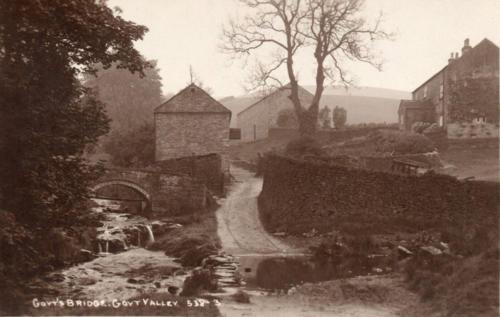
x,y
122,267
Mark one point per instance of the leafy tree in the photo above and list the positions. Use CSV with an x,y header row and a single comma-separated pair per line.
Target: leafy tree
x,y
333,30
47,117
135,148
339,117
130,98
287,119
324,118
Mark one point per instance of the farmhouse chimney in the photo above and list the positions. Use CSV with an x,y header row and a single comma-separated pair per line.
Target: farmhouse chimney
x,y
466,47
451,59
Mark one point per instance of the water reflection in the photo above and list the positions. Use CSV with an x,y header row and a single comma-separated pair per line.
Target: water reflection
x,y
282,273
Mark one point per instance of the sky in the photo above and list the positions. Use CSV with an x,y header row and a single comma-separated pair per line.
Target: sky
x,y
188,32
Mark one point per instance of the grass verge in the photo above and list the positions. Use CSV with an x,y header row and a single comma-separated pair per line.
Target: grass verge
x,y
194,241
464,287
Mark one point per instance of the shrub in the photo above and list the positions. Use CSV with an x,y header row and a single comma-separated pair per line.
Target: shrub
x,y
304,145
339,117
134,148
199,280
324,118
397,142
461,286
419,127
194,256
287,119
241,297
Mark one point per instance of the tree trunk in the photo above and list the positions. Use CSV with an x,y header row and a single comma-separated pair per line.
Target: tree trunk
x,y
308,121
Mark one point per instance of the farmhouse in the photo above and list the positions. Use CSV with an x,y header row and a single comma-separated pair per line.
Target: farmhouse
x,y
462,98
189,124
256,120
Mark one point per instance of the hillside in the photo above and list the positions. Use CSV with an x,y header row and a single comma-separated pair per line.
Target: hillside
x,y
363,105
236,105
363,92
362,109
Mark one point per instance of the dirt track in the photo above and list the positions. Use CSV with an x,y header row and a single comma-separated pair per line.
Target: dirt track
x,y
242,233
239,226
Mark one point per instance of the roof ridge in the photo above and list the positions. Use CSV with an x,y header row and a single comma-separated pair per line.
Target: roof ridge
x,y
484,40
214,103
171,98
287,86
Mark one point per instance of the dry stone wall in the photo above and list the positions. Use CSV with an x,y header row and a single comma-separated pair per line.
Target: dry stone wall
x,y
299,196
205,168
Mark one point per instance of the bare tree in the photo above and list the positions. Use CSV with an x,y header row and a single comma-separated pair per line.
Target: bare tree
x,y
195,79
334,29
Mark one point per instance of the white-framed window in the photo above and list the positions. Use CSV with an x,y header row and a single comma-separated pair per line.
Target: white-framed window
x,y
441,91
441,120
479,120
425,91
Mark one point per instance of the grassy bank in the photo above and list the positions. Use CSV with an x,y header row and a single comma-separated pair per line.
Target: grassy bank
x,y
195,240
456,287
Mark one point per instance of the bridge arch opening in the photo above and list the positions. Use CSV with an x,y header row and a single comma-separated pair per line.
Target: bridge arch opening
x,y
145,196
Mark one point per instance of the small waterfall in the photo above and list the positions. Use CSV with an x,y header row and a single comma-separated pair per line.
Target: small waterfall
x,y
138,237
125,247
99,246
107,246
150,234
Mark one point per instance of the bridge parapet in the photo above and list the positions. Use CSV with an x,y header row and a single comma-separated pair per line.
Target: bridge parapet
x,y
167,193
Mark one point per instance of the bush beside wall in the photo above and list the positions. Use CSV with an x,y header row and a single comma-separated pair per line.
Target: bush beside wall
x,y
298,196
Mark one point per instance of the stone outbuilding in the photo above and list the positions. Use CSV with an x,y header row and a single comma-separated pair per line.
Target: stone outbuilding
x,y
256,120
412,111
191,123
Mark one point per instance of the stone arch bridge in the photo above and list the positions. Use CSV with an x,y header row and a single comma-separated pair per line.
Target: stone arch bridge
x,y
162,192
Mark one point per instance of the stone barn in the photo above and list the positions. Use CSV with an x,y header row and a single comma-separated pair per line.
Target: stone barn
x,y
256,120
191,123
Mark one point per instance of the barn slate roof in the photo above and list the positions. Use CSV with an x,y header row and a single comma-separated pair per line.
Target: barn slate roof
x,y
192,99
276,91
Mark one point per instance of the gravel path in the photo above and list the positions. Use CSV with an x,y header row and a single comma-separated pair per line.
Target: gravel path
x,y
239,226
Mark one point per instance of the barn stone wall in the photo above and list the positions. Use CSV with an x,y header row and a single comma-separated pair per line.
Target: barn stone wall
x,y
256,120
253,122
191,134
